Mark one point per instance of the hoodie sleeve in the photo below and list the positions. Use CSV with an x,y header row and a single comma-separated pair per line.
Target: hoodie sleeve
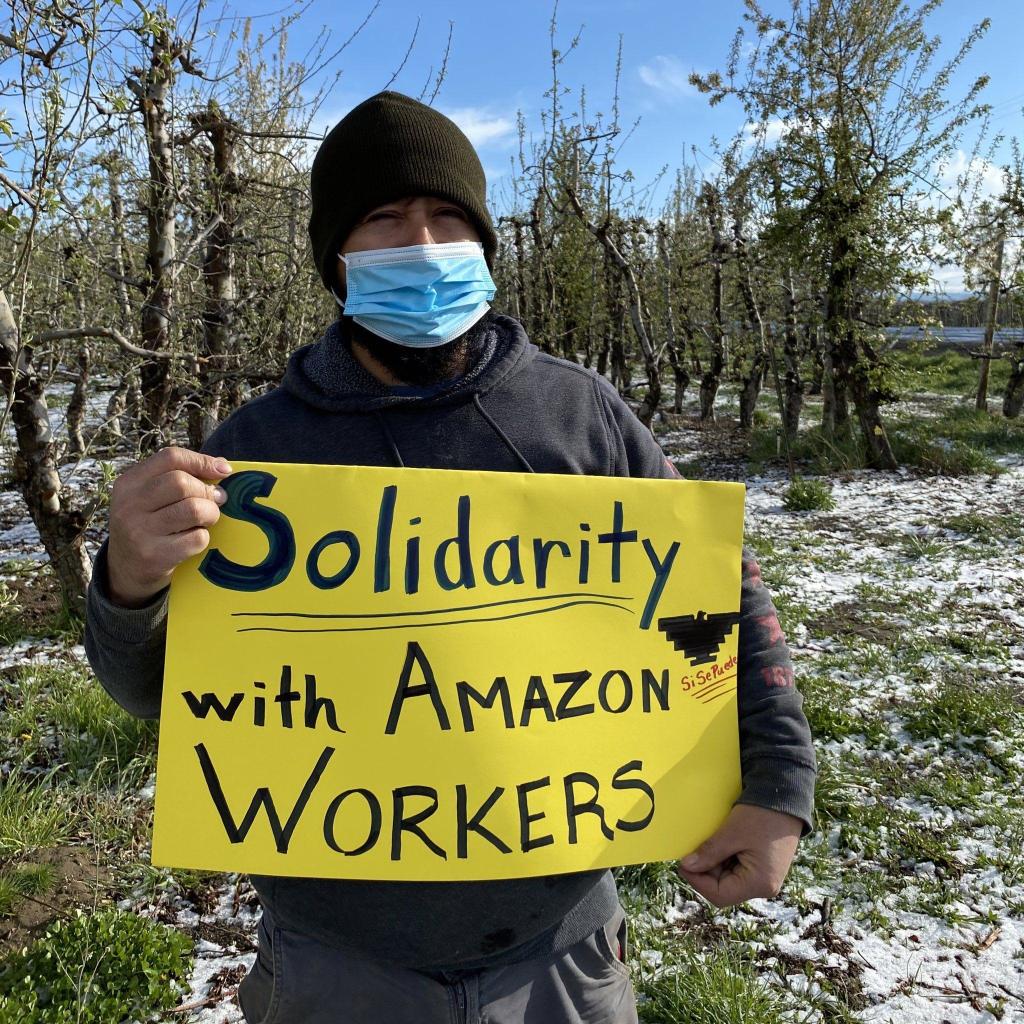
x,y
776,752
125,646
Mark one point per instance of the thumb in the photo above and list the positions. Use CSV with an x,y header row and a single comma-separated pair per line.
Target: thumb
x,y
713,851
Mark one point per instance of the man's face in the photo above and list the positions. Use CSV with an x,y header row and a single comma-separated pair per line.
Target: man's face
x,y
417,220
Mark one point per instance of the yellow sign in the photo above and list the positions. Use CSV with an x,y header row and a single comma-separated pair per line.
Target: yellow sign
x,y
449,675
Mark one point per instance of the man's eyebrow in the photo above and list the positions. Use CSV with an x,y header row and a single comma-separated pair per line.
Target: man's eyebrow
x,y
386,206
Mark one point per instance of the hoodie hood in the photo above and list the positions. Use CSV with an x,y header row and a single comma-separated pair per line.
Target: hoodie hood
x,y
326,375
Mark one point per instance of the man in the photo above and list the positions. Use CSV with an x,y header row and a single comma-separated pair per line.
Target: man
x,y
419,372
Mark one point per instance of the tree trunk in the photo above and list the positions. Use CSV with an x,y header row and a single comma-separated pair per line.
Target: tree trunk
x,y
828,395
134,405
522,304
987,346
751,383
60,528
794,385
676,349
75,418
152,91
1013,399
852,363
218,271
116,406
712,376
77,404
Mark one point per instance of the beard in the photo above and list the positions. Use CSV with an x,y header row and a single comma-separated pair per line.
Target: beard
x,y
421,366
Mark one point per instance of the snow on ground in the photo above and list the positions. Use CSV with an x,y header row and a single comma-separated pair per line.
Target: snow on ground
x,y
934,566
911,959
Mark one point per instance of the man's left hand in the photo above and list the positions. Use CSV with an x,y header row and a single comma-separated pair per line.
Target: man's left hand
x,y
748,857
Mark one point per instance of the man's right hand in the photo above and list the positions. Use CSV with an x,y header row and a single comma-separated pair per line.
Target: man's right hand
x,y
160,511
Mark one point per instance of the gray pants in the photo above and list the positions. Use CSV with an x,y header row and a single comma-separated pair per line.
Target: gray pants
x,y
298,981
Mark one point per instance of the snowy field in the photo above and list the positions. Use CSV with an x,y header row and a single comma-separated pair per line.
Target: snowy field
x,y
904,606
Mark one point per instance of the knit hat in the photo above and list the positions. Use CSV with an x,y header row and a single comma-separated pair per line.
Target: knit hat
x,y
391,147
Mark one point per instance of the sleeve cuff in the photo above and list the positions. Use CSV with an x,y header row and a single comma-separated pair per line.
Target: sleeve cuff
x,y
781,785
124,626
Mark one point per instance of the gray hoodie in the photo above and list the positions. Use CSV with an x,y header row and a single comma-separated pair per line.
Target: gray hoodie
x,y
515,409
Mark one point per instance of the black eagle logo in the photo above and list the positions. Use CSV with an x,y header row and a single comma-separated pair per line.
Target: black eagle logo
x,y
699,636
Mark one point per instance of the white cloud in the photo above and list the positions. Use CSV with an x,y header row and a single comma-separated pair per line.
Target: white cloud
x,y
481,126
667,75
989,176
769,133
775,129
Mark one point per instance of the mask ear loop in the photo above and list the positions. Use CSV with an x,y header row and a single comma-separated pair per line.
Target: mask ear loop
x,y
337,298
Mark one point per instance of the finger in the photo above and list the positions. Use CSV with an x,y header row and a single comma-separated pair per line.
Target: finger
x,y
725,843
207,467
739,885
176,486
726,888
174,550
706,884
186,514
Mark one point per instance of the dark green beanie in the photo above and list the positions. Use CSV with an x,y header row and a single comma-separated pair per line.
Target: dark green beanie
x,y
390,147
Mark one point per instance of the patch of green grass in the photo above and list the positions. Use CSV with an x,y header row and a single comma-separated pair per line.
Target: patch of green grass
x,y
978,429
694,984
96,738
918,446
987,526
959,440
949,373
96,969
916,546
804,495
810,449
979,646
827,706
791,613
647,887
837,791
12,623
24,880
761,543
963,708
33,815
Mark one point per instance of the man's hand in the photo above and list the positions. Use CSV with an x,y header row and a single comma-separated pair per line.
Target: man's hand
x,y
160,510
748,857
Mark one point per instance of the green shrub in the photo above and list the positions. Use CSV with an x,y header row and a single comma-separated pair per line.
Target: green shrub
x,y
808,496
100,968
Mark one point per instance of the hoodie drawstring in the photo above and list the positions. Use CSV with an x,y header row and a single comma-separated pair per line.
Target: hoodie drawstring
x,y
501,433
390,438
520,457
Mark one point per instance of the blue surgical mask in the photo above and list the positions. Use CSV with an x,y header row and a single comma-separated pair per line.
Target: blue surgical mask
x,y
421,296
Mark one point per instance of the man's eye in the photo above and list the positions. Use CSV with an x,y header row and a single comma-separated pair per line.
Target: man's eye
x,y
381,215
450,211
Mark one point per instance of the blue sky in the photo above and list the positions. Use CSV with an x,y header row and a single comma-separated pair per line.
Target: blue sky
x,y
500,64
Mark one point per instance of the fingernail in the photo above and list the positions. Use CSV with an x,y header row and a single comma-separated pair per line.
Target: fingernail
x,y
223,467
690,862
220,495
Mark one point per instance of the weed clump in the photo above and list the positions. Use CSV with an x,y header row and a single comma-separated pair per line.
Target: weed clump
x,y
95,969
808,496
